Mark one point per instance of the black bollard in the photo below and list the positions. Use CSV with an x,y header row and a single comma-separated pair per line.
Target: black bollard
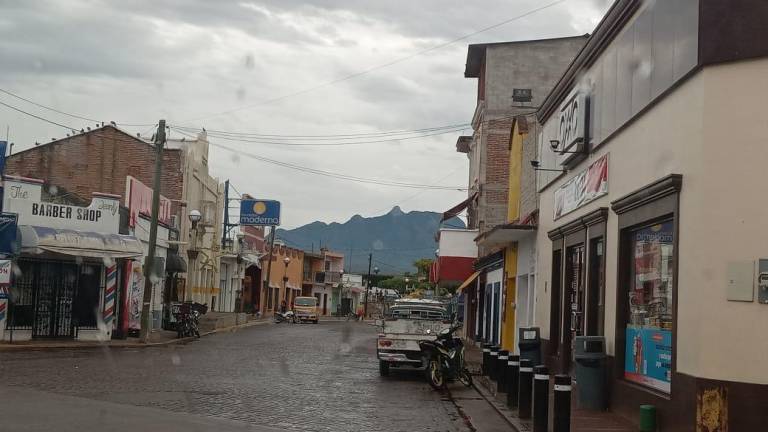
x,y
492,362
513,369
540,398
561,416
501,370
525,389
486,357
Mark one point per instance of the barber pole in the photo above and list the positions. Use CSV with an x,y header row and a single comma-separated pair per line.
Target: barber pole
x,y
109,294
3,308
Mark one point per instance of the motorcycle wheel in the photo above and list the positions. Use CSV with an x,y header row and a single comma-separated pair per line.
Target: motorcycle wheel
x,y
465,377
435,374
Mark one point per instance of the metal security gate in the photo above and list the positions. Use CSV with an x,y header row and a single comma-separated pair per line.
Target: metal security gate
x,y
55,287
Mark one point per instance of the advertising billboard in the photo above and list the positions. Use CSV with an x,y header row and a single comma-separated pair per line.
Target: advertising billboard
x,y
259,212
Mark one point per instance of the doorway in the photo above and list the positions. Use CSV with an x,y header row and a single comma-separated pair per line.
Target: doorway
x,y
573,319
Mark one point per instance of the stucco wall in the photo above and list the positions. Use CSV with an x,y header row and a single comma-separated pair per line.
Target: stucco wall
x,y
692,132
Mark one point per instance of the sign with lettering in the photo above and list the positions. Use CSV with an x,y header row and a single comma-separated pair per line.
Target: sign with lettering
x,y
584,187
571,129
5,272
259,212
139,202
522,95
24,197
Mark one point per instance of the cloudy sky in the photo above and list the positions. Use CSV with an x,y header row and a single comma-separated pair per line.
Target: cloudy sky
x,y
244,66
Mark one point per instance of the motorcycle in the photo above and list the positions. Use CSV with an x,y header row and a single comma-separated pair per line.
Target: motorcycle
x,y
288,316
445,359
187,322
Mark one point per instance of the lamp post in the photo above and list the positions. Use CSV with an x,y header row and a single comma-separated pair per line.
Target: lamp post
x,y
406,284
194,218
286,261
376,272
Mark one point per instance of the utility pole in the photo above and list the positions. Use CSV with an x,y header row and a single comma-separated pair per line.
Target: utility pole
x,y
368,286
269,265
149,263
225,231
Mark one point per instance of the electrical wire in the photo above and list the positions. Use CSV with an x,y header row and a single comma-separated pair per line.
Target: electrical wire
x,y
281,143
332,174
64,112
38,117
328,136
383,65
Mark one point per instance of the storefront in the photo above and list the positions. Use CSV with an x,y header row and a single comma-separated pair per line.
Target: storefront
x,y
490,297
68,268
652,233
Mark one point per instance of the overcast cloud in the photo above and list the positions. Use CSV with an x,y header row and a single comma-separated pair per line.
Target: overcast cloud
x,y
139,61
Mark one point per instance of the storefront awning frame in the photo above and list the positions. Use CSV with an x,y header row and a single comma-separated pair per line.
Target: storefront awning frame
x,y
468,282
37,240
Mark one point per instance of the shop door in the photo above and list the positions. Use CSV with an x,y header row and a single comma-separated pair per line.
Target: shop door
x,y
346,306
55,287
496,320
574,316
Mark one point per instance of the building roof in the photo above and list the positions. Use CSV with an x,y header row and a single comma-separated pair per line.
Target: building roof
x,y
476,52
86,132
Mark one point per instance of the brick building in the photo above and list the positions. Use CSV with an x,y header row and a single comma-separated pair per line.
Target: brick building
x,y
98,161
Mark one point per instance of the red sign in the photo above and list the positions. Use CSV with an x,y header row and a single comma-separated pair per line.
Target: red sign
x,y
140,202
584,187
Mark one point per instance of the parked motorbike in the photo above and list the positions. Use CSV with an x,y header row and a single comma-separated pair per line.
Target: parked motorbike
x,y
188,321
445,359
288,316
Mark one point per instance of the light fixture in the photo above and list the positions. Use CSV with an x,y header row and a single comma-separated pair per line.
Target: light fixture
x,y
554,144
286,260
536,164
194,217
376,270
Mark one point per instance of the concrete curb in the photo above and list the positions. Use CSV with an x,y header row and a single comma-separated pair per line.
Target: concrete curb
x,y
6,347
500,407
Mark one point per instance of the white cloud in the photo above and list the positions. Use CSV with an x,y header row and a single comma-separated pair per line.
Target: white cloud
x,y
183,59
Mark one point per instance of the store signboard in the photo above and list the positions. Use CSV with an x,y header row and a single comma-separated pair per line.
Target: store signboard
x,y
648,357
25,199
571,128
259,212
5,272
584,187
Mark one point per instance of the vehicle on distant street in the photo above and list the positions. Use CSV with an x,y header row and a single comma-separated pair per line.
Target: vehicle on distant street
x,y
409,322
288,316
305,309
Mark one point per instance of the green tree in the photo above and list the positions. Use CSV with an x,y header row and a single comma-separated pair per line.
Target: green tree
x,y
423,265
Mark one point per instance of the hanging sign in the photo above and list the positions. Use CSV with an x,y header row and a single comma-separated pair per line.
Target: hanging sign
x,y
584,187
571,132
259,212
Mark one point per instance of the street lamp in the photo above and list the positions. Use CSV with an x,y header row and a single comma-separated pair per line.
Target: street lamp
x,y
286,261
194,218
406,284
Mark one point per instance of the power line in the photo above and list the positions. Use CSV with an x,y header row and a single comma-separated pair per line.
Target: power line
x,y
38,117
335,175
64,112
458,126
383,65
283,143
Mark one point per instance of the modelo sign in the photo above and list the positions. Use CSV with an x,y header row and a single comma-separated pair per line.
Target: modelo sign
x,y
572,126
259,212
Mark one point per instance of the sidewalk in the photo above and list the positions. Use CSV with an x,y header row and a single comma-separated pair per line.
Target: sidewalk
x,y
156,338
581,420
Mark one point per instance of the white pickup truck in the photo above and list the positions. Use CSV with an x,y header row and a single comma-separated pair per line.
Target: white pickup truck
x,y
408,322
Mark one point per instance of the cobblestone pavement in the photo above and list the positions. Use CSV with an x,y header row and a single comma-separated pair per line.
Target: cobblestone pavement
x,y
296,377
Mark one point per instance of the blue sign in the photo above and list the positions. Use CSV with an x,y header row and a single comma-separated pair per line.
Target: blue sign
x,y
8,244
648,357
259,212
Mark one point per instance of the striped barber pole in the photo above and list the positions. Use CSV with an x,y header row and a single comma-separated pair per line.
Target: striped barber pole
x,y
109,294
3,308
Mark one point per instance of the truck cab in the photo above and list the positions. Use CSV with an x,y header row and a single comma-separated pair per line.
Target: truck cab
x,y
408,322
306,309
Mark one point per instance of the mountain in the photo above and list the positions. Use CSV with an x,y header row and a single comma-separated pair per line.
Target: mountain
x,y
396,239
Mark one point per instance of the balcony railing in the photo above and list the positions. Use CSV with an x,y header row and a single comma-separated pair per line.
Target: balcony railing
x,y
328,277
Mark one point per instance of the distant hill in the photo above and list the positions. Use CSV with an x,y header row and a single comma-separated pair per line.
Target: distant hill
x,y
396,239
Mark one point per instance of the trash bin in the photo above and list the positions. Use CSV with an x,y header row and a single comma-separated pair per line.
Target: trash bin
x,y
589,355
529,343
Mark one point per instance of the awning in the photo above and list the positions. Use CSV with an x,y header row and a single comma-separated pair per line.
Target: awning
x,y
467,282
251,259
457,209
174,263
505,234
37,239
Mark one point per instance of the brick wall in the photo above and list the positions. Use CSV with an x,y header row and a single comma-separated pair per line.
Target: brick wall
x,y
529,200
98,161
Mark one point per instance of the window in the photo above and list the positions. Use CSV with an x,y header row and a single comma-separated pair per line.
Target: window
x,y
648,351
